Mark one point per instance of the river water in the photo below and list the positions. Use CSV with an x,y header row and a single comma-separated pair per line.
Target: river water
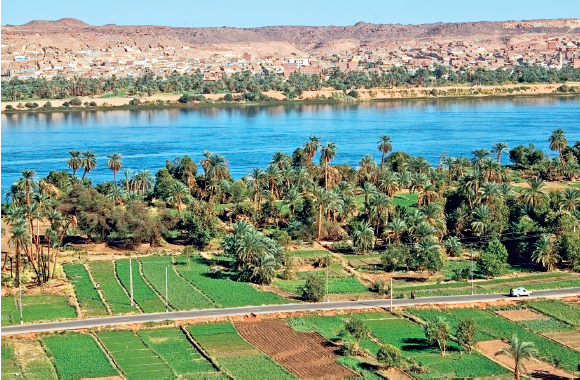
x,y
248,135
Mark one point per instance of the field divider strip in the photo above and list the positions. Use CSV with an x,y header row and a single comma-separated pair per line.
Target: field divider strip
x,y
125,290
109,355
192,284
103,300
152,287
203,352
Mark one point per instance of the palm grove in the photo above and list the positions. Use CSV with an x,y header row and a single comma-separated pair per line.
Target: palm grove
x,y
461,203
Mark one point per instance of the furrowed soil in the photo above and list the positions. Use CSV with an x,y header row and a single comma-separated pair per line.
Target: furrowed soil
x,y
567,338
307,355
539,369
522,315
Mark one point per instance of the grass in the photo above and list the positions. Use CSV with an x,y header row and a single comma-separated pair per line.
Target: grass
x,y
337,283
181,295
78,355
559,310
34,361
223,291
87,295
405,199
10,313
46,307
145,297
103,272
546,326
308,254
172,345
8,361
498,327
236,356
366,370
133,357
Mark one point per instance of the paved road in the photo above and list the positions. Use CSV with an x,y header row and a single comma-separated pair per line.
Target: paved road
x,y
229,312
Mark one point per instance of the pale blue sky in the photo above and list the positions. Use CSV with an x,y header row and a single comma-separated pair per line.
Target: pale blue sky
x,y
250,13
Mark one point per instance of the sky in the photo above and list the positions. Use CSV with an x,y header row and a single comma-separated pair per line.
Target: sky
x,y
254,13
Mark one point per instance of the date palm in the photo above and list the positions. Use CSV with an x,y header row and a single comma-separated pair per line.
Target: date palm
x,y
558,142
328,153
519,351
20,238
115,164
569,200
75,162
311,146
389,183
144,180
293,199
363,236
396,228
498,149
535,194
206,161
385,146
89,161
544,252
178,194
28,183
321,201
479,155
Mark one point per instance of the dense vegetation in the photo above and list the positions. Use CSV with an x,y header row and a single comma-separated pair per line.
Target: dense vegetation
x,y
462,204
251,85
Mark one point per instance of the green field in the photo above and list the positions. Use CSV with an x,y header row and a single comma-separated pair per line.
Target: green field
x,y
181,295
103,272
559,310
223,291
498,327
9,365
133,357
338,282
145,297
405,199
78,355
46,307
546,326
236,356
10,313
87,295
34,362
308,254
173,347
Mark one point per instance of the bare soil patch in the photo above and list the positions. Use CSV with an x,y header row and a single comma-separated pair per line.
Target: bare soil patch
x,y
522,315
395,374
307,355
539,369
567,338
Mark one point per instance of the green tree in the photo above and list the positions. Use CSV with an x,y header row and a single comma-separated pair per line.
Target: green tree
x,y
437,331
389,355
313,289
115,163
465,334
356,328
558,142
493,258
385,146
544,252
363,236
89,161
328,153
498,149
569,248
519,351
75,162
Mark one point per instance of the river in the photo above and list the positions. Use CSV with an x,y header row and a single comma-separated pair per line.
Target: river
x,y
248,135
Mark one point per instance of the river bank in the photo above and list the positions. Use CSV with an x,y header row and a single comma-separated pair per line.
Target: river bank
x,y
326,95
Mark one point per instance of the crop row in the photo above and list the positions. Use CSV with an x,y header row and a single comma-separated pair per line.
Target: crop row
x,y
145,297
181,295
87,295
103,273
221,290
559,310
10,314
34,362
8,363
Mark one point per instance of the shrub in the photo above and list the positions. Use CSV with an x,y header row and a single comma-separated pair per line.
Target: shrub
x,y
380,287
342,247
135,102
31,105
47,105
75,102
389,355
493,259
313,289
354,94
228,97
93,104
66,104
9,107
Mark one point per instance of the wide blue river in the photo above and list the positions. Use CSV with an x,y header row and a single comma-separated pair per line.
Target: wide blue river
x,y
248,135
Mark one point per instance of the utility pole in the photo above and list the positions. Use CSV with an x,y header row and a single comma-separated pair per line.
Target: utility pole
x,y
131,279
327,265
20,287
391,294
166,302
472,271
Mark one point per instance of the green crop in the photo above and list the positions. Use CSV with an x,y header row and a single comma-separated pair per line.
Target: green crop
x,y
10,313
142,292
87,295
9,366
559,310
46,307
103,272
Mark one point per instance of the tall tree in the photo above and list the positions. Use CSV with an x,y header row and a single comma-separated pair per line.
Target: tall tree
x,y
558,142
545,253
498,149
385,146
75,162
328,153
519,351
115,163
311,146
89,161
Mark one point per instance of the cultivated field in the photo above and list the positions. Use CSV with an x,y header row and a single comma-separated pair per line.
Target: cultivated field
x,y
87,294
33,360
9,366
145,297
307,355
103,273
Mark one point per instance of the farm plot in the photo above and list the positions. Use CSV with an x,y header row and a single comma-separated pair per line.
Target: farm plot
x,y
498,327
132,356
33,360
181,295
103,273
46,307
338,282
559,310
223,291
307,355
308,254
522,315
78,355
87,295
145,297
236,356
173,347
568,338
10,314
9,366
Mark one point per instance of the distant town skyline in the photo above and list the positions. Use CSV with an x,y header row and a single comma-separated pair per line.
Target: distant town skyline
x,y
256,13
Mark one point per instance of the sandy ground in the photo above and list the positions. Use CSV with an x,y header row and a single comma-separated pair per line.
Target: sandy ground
x,y
536,369
548,185
567,338
397,93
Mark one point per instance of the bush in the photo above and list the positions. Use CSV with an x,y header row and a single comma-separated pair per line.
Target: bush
x,y
187,98
389,355
47,105
93,104
9,107
281,237
380,287
493,259
313,289
342,247
354,94
135,102
228,97
31,105
66,104
75,102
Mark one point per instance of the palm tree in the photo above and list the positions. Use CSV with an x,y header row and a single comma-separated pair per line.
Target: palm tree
x,y
498,149
396,228
328,153
178,193
534,195
206,162
385,146
321,200
479,155
28,182
293,199
19,238
144,180
559,142
569,200
544,252
311,146
75,162
519,351
481,220
363,236
89,161
438,331
390,184
367,190
115,163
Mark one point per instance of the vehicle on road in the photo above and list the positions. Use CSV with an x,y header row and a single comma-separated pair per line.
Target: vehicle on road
x,y
517,292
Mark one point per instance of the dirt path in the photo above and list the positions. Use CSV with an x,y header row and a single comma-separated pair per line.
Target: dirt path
x,y
307,355
540,369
